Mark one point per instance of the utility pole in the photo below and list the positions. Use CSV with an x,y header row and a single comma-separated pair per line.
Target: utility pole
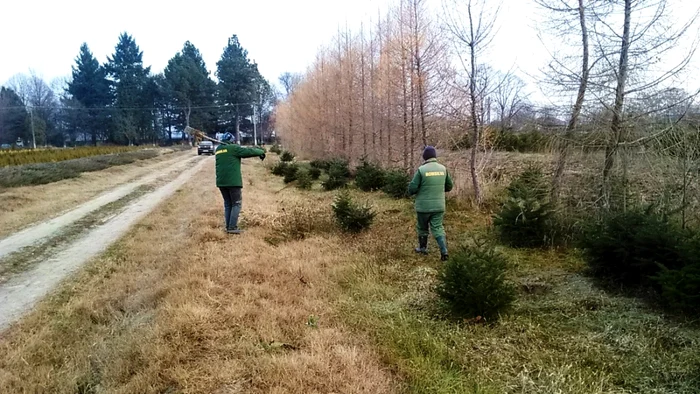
x,y
255,130
31,116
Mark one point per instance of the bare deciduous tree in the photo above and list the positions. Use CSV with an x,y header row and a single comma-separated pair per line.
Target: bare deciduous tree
x,y
289,82
635,58
510,99
472,24
571,19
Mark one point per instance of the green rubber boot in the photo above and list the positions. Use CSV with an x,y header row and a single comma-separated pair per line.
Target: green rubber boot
x,y
442,243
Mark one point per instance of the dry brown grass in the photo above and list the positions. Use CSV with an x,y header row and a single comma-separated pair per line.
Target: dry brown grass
x,y
22,206
178,306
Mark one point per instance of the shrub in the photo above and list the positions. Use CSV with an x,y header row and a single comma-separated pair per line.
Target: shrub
x,y
276,149
290,173
369,177
333,183
526,218
320,164
350,216
642,249
338,175
304,180
529,141
473,283
339,167
462,143
52,155
43,173
680,289
287,156
299,220
396,184
280,168
628,247
314,173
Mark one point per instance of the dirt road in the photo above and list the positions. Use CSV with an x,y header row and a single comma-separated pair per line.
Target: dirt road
x,y
49,228
20,292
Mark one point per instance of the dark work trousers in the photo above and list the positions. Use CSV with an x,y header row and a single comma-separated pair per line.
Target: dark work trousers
x,y
233,198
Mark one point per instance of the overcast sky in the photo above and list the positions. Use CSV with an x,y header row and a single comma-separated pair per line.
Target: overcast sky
x,y
280,35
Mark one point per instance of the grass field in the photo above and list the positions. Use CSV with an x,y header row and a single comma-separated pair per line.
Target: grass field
x,y
295,306
52,155
48,172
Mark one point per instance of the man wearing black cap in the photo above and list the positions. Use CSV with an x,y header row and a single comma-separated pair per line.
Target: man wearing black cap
x,y
429,185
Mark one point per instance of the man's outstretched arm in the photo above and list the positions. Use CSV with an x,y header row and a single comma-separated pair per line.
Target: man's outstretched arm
x,y
243,152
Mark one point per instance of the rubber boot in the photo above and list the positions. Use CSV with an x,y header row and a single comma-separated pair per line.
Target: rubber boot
x,y
442,243
233,220
422,245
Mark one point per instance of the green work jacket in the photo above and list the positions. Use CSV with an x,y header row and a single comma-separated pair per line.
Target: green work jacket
x,y
429,185
228,163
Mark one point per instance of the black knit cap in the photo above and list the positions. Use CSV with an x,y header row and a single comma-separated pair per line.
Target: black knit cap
x,y
429,153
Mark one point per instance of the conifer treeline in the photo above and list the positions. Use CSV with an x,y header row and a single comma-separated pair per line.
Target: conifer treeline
x,y
123,102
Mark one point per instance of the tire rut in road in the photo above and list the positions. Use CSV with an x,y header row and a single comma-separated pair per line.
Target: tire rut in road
x,y
36,233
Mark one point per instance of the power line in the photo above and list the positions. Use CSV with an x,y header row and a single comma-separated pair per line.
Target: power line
x,y
126,108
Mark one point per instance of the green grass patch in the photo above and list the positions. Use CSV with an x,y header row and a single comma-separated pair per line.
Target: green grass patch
x,y
563,334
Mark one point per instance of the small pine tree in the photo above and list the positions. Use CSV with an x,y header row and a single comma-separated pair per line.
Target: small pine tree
x,y
304,181
396,184
320,164
276,149
290,173
369,177
338,175
680,289
280,168
287,156
630,247
314,173
526,219
351,217
473,283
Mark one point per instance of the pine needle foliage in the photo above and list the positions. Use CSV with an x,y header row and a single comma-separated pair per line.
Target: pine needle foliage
x,y
526,218
369,177
473,283
396,185
350,216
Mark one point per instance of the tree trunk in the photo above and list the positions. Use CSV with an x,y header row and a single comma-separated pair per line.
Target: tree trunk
x,y
404,86
565,146
238,129
362,83
419,75
474,121
373,103
616,125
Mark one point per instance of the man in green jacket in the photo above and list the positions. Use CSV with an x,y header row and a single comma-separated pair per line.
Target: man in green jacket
x,y
229,179
429,185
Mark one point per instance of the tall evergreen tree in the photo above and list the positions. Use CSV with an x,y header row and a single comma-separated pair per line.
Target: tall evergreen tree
x,y
165,114
192,90
14,119
132,92
89,88
238,79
